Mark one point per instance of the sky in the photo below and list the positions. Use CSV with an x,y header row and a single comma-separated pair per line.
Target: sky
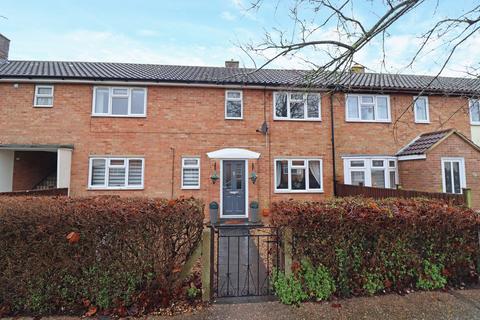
x,y
201,32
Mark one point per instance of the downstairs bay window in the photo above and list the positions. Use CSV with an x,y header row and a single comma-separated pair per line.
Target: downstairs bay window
x,y
298,175
378,172
116,173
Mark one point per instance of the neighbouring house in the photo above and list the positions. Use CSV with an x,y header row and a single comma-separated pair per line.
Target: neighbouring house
x,y
227,134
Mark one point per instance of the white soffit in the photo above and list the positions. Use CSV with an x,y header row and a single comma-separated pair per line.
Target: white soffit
x,y
233,153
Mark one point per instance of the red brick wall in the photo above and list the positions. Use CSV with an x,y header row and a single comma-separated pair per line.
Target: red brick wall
x,y
31,167
187,121
426,175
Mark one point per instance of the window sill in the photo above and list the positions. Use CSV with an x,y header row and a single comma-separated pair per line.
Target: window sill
x,y
190,188
230,118
117,116
297,191
115,189
39,106
475,123
304,120
422,122
369,121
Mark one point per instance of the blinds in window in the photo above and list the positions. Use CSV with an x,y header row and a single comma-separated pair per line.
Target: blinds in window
x,y
135,172
98,172
190,177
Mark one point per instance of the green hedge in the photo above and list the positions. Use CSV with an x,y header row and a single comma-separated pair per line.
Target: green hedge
x,y
372,246
63,255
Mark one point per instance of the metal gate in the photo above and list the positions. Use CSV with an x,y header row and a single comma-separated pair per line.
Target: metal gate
x,y
244,260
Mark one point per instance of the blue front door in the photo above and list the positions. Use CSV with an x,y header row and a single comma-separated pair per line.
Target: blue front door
x,y
233,187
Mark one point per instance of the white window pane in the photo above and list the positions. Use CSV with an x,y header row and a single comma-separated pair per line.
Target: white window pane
x,y
138,101
233,95
377,163
191,177
296,110
421,109
357,178
298,179
357,163
101,100
352,106
282,174
120,91
44,101
378,178
234,109
382,108
135,172
281,105
314,172
313,105
367,99
475,111
119,106
367,112
44,90
116,177
98,172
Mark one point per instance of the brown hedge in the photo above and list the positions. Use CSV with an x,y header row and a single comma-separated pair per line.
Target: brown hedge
x,y
63,255
384,245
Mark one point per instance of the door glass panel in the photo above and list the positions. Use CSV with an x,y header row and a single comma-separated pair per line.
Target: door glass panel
x,y
227,175
448,177
239,177
378,178
298,179
456,177
357,178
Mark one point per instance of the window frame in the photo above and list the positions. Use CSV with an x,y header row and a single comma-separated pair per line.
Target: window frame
x,y
43,95
126,165
197,166
305,106
111,95
369,167
463,178
470,105
234,99
305,166
427,109
375,108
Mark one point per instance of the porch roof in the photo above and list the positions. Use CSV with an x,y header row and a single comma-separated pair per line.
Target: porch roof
x,y
35,147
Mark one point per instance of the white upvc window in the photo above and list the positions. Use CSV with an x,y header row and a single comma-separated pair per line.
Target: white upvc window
x,y
374,171
298,175
297,106
421,109
116,173
367,108
453,175
119,102
474,111
233,104
43,96
191,173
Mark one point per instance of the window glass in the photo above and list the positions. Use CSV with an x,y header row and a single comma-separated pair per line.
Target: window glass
x,y
116,176
314,171
391,163
234,109
135,172
357,163
357,178
378,178
191,174
296,110
98,172
377,163
421,109
393,183
382,108
298,162
352,105
119,106
282,174
456,177
120,91
234,95
112,173
101,100
367,99
475,111
448,177
367,112
138,101
367,108
44,101
298,179
44,90
281,104
313,103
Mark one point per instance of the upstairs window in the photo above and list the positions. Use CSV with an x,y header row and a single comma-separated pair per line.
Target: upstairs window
x,y
119,102
116,173
43,96
296,106
367,108
298,175
474,111
233,104
420,108
191,173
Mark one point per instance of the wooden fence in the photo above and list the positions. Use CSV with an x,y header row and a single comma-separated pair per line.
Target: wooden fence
x,y
37,193
345,190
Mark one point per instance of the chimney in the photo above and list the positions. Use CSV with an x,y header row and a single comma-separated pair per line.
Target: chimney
x,y
232,64
357,68
4,46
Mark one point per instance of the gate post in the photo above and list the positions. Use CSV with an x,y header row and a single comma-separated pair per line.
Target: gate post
x,y
207,265
287,249
467,194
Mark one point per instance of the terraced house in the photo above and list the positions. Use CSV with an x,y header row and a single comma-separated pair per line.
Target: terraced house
x,y
232,135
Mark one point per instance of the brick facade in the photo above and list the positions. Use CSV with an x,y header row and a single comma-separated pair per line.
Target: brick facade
x,y
189,121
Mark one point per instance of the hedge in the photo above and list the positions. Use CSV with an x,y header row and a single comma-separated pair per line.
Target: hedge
x,y
372,246
68,255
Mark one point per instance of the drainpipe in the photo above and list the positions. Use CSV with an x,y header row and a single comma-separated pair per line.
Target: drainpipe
x,y
173,172
332,124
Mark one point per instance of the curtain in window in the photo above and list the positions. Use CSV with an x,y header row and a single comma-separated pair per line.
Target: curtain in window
x,y
279,174
315,171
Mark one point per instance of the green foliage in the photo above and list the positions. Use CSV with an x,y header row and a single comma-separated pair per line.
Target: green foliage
x,y
431,277
192,292
318,282
288,288
60,254
381,245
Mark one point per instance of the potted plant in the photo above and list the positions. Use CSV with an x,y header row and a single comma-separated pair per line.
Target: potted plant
x,y
253,217
213,212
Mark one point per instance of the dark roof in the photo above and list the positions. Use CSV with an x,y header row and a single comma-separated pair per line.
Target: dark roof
x,y
105,71
423,143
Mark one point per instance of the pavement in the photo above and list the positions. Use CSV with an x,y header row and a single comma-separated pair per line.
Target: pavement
x,y
455,304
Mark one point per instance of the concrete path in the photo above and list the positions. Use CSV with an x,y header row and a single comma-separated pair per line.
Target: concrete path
x,y
461,304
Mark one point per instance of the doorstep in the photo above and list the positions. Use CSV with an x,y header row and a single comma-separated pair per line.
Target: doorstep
x,y
235,223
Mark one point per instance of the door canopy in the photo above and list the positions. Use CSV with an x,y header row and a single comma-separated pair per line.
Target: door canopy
x,y
233,153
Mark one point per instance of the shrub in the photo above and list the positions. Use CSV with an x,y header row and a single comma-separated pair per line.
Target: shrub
x,y
288,288
60,255
318,281
384,245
